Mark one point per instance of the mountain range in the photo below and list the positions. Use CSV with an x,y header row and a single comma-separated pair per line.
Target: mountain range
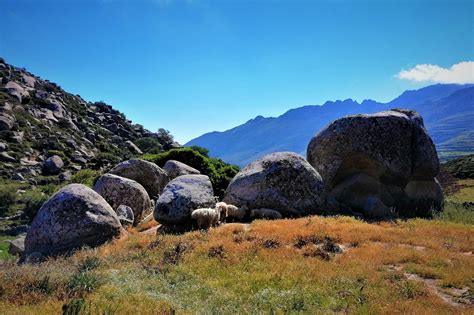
x,y
447,109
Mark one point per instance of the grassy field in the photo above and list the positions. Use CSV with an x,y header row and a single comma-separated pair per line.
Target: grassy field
x,y
308,265
465,192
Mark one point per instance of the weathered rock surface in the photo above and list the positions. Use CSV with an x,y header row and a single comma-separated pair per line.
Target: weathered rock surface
x,y
53,164
367,161
147,174
118,191
17,246
6,122
175,168
132,146
181,196
283,181
16,90
125,215
73,217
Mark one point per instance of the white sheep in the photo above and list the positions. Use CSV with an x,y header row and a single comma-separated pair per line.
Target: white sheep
x,y
222,208
206,217
231,211
266,214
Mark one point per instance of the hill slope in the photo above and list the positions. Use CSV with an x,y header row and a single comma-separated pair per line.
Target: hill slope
x,y
448,110
39,119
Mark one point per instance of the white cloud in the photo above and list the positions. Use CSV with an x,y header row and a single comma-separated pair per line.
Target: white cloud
x,y
462,72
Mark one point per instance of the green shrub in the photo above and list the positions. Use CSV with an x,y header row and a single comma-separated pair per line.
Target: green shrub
x,y
203,151
33,200
86,177
462,167
105,159
457,212
219,172
82,282
149,145
8,198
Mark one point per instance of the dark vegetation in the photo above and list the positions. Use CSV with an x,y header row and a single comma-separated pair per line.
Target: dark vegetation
x,y
462,167
219,172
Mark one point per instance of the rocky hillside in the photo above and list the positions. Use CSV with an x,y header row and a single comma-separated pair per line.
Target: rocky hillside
x,y
447,110
46,131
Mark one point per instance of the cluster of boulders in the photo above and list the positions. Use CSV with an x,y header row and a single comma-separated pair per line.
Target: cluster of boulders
x,y
78,216
378,165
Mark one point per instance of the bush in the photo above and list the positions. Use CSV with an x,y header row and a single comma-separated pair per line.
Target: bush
x,y
203,151
219,172
7,198
105,159
164,136
457,212
86,177
462,167
33,200
149,145
82,282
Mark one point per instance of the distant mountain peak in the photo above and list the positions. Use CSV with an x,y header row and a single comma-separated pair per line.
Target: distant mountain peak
x,y
448,115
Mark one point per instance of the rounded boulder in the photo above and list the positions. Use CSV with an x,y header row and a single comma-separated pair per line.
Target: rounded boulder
x,y
368,162
176,168
74,217
283,181
147,174
181,196
118,190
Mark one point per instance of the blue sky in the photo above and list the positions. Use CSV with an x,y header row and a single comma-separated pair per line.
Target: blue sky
x,y
194,66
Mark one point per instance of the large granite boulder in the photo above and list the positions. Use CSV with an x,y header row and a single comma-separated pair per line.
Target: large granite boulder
x,y
175,168
367,162
118,191
181,196
283,181
147,174
74,217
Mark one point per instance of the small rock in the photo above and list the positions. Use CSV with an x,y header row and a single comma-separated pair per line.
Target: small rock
x,y
17,246
18,136
6,122
65,176
4,156
132,147
18,176
53,164
125,215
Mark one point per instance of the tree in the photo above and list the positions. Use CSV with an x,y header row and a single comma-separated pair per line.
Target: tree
x,y
164,136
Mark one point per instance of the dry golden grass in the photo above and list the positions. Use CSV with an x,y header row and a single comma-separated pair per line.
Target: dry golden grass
x,y
267,266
